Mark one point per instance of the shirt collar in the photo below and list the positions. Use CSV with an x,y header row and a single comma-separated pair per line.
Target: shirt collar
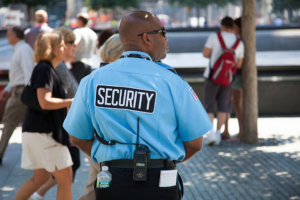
x,y
136,52
17,45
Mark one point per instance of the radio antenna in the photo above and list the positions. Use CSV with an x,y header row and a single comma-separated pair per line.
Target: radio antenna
x,y
138,133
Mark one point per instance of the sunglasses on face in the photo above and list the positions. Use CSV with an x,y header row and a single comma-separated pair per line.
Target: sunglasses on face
x,y
70,42
163,31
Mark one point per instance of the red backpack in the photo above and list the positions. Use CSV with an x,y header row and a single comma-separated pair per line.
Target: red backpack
x,y
224,69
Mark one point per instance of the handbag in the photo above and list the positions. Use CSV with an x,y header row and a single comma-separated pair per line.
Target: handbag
x,y
29,98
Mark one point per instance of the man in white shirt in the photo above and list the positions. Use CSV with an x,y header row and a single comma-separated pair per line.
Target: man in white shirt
x,y
19,74
212,91
86,40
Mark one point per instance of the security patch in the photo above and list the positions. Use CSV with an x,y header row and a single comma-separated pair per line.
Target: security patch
x,y
125,98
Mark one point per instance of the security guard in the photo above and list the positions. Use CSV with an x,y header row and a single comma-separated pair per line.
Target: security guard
x,y
136,100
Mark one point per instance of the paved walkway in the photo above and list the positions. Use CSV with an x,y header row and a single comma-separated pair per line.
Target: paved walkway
x,y
267,170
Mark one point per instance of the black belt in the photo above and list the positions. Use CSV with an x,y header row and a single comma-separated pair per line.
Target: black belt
x,y
129,163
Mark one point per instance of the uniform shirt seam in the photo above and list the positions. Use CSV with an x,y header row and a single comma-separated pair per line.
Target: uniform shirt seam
x,y
85,105
164,78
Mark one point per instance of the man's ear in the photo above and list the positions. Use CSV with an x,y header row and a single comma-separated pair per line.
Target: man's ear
x,y
146,39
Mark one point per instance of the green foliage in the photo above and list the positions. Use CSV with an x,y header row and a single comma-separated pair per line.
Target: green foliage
x,y
96,4
281,5
202,3
31,2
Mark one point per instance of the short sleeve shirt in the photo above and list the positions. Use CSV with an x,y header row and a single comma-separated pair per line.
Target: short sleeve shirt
x,y
112,97
87,43
44,76
67,79
214,44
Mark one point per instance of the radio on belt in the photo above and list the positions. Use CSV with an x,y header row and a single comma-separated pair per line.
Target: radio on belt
x,y
141,159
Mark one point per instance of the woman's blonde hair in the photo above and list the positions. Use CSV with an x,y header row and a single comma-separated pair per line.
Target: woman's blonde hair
x,y
67,33
112,49
44,46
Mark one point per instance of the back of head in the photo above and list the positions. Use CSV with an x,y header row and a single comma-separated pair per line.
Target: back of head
x,y
67,33
41,16
135,23
44,45
103,36
84,18
112,49
143,31
227,22
18,31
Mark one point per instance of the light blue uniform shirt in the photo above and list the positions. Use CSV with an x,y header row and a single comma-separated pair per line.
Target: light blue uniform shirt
x,y
111,99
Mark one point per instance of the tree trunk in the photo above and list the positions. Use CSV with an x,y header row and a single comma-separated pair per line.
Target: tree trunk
x,y
198,14
250,109
290,14
31,15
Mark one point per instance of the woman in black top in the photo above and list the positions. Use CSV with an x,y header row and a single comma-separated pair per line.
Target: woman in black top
x,y
44,140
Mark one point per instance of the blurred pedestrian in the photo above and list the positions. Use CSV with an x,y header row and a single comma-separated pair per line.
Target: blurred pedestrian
x,y
213,49
85,42
41,26
64,74
44,141
19,74
236,92
102,37
110,51
71,86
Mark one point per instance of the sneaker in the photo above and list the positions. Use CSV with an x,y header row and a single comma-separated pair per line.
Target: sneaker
x,y
211,138
34,198
218,137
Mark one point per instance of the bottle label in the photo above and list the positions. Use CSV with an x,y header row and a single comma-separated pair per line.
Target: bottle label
x,y
103,184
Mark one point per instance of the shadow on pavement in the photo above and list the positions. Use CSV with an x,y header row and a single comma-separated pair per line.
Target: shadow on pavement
x,y
267,170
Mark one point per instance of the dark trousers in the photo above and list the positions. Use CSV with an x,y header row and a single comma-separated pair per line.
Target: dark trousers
x,y
75,155
80,70
124,187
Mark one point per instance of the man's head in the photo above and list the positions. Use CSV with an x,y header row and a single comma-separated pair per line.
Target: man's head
x,y
14,35
82,19
237,26
227,24
41,16
143,31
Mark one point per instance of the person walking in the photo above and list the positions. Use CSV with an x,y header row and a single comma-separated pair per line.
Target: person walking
x,y
135,98
214,48
85,42
19,74
237,93
44,141
110,51
41,26
71,86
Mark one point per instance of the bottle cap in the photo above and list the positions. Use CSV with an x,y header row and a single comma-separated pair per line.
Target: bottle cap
x,y
104,168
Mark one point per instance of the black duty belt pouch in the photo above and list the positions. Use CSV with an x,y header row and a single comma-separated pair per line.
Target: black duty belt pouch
x,y
124,187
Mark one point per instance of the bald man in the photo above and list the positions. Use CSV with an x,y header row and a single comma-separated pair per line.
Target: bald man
x,y
41,26
138,99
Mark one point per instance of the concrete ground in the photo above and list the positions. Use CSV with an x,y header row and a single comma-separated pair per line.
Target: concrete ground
x,y
267,170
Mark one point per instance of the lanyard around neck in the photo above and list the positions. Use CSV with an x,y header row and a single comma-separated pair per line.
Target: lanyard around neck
x,y
136,56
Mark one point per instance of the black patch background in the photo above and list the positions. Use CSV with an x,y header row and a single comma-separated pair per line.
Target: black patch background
x,y
117,95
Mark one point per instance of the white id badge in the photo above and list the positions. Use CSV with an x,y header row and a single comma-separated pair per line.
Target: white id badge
x,y
167,178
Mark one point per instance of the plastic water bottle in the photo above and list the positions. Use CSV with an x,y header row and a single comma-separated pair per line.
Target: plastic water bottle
x,y
104,178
